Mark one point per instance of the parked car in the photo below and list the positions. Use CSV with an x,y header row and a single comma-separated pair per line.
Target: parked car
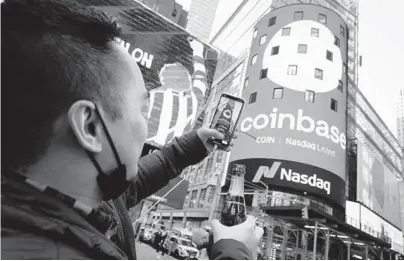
x,y
146,235
184,233
180,247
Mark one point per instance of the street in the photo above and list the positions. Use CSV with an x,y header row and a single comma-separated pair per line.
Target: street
x,y
146,252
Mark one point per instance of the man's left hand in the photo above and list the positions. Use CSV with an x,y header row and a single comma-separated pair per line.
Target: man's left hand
x,y
204,134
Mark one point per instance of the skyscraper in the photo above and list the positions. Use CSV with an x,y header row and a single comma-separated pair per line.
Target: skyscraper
x,y
400,118
200,18
169,9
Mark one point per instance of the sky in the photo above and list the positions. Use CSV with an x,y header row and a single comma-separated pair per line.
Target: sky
x,y
381,41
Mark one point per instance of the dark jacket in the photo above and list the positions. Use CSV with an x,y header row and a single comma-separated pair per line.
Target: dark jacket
x,y
229,249
155,171
37,226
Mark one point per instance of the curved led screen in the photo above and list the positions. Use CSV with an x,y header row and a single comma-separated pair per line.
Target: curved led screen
x,y
177,68
295,116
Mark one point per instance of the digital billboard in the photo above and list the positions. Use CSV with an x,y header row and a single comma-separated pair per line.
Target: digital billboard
x,y
377,186
178,69
294,123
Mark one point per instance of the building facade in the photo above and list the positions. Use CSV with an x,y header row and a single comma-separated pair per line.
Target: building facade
x,y
201,16
400,118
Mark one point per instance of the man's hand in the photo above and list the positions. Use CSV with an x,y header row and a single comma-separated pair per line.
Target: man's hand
x,y
204,134
247,233
200,237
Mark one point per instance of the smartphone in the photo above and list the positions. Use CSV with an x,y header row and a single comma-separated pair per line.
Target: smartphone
x,y
225,119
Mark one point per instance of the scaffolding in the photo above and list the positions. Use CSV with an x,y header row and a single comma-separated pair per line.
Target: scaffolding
x,y
312,239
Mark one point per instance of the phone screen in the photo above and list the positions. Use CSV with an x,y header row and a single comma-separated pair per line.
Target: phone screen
x,y
226,116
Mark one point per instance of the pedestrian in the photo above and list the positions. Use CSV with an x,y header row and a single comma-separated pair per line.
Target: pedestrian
x,y
163,239
75,108
157,239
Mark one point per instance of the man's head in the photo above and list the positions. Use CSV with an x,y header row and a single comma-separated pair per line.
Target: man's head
x,y
59,60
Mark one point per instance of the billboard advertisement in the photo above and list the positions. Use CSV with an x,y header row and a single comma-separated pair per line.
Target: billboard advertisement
x,y
378,187
294,122
178,69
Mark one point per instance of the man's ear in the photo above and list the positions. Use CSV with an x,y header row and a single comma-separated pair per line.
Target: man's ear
x,y
86,125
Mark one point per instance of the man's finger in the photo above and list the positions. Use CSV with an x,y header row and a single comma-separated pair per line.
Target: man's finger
x,y
214,133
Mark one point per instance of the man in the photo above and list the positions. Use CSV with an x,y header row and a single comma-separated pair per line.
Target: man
x,y
74,123
157,240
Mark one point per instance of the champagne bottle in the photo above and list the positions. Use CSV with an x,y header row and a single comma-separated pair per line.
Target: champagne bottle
x,y
234,209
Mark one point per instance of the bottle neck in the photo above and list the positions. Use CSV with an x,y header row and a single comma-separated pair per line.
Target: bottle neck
x,y
237,185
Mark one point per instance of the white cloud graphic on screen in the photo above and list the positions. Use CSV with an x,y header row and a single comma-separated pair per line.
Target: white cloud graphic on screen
x,y
315,57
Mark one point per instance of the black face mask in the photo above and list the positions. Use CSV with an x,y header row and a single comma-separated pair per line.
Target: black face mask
x,y
115,183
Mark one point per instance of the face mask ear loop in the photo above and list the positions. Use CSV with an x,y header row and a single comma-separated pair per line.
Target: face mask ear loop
x,y
97,166
114,150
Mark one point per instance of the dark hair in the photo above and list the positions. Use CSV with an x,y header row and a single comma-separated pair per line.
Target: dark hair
x,y
54,53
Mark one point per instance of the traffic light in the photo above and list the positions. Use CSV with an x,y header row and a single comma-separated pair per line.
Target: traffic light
x,y
305,212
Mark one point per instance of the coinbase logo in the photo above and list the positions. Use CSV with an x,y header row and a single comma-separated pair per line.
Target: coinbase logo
x,y
300,122
304,45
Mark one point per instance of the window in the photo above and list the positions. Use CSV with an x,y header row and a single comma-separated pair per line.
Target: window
x,y
208,167
318,74
315,32
322,18
253,97
202,198
198,173
210,197
278,93
344,68
334,105
309,96
342,30
340,86
336,41
186,201
263,39
245,82
298,15
286,31
263,73
193,197
219,156
255,33
292,69
302,48
254,60
275,50
329,56
272,21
